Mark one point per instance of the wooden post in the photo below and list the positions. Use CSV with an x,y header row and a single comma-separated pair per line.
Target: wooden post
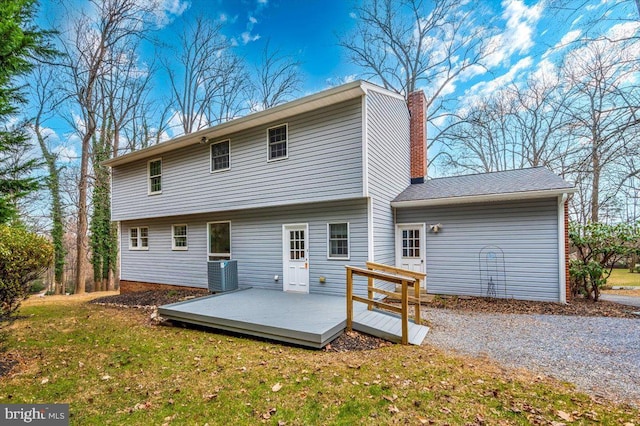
x,y
370,292
405,313
349,298
416,294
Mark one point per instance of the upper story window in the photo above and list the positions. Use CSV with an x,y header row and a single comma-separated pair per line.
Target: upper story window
x,y
277,137
155,176
338,241
179,237
219,240
139,238
220,156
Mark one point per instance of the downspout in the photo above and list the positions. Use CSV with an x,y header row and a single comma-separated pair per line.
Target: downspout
x,y
562,260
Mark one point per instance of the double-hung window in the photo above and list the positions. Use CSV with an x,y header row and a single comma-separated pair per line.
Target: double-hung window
x,y
219,240
139,238
179,237
155,176
338,241
220,156
277,138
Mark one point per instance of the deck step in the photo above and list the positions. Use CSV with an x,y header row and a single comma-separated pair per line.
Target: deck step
x,y
387,326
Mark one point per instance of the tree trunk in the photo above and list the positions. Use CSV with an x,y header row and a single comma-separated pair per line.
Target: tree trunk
x,y
595,188
81,238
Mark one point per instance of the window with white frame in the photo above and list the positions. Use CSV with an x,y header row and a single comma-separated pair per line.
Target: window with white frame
x,y
139,238
277,137
220,156
338,240
155,176
179,237
219,240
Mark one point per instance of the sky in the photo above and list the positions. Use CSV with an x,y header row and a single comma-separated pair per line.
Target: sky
x,y
529,34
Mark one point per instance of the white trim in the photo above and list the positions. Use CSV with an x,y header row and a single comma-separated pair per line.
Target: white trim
x,y
139,247
423,241
370,247
270,160
119,254
329,257
365,149
366,87
285,254
173,237
211,156
561,253
153,160
209,240
510,196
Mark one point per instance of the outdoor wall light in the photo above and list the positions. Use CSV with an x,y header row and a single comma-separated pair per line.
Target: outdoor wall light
x,y
203,140
276,278
435,228
322,280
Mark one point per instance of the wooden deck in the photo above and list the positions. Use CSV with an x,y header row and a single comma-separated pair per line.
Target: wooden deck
x,y
311,320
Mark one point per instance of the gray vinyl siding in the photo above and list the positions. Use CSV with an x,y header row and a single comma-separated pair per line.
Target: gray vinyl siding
x,y
256,243
527,233
388,166
324,163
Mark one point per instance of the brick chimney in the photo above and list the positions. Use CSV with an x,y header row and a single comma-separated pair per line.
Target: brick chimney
x,y
418,136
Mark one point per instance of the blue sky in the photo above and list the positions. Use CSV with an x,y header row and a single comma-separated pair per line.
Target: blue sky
x,y
530,35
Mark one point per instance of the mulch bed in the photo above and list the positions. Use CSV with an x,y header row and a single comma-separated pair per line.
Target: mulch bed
x,y
577,307
150,298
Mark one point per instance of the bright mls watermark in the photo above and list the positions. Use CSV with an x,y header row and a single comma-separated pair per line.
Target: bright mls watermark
x,y
34,414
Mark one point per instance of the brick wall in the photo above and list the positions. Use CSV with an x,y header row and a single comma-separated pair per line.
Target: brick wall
x,y
566,250
416,103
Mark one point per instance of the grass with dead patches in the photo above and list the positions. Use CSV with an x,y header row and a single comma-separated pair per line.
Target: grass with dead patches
x,y
113,367
622,277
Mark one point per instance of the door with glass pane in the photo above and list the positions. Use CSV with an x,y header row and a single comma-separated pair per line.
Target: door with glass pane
x,y
410,247
295,257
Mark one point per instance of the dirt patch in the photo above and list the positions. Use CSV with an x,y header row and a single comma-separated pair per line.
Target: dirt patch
x,y
355,341
577,307
150,298
623,292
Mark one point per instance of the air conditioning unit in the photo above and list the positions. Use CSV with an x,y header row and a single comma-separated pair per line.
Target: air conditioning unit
x,y
223,275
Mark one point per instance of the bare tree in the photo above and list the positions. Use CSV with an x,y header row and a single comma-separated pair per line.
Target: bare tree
x,y
195,88
411,43
89,50
277,78
48,98
602,109
520,125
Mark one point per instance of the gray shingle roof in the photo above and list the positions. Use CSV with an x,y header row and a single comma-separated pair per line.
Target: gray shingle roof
x,y
486,184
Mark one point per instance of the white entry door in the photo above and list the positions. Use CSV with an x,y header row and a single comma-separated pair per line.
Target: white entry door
x,y
410,247
295,257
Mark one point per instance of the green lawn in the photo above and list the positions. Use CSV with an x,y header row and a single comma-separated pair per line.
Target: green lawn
x,y
113,367
624,277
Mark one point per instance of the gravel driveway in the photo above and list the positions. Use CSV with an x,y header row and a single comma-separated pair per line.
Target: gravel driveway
x,y
601,356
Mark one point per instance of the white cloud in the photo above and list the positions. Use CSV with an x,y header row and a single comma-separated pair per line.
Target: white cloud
x,y
486,88
223,17
262,1
517,36
353,15
176,7
168,10
247,37
66,154
253,20
624,30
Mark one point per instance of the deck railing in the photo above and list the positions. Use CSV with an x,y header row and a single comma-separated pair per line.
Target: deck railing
x,y
419,277
403,280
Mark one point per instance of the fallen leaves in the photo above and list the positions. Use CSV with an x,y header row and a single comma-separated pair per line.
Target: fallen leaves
x,y
276,387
